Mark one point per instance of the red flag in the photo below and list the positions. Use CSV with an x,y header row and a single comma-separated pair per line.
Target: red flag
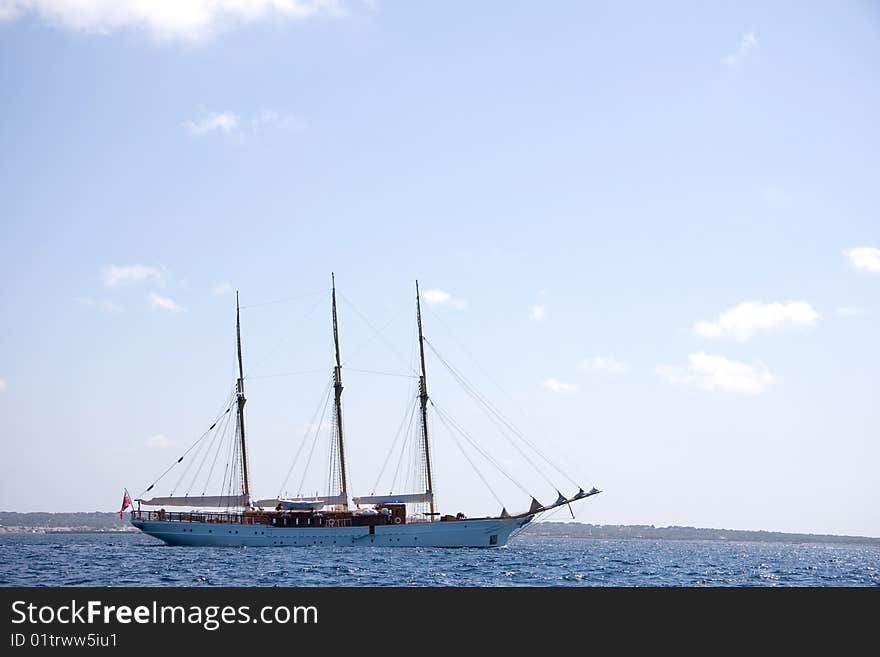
x,y
126,502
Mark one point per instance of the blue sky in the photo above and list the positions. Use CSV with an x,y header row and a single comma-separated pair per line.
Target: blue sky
x,y
649,234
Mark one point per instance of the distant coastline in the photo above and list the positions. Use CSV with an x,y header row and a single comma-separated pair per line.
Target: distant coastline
x,y
674,533
12,522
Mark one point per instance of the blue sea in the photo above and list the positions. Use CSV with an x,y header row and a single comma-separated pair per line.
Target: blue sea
x,y
133,559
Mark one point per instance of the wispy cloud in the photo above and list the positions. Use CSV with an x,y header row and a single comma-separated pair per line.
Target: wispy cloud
x,y
558,386
866,258
226,122
231,124
169,20
119,275
442,298
604,364
710,372
536,313
158,302
220,289
745,320
3,385
158,441
272,119
747,44
99,304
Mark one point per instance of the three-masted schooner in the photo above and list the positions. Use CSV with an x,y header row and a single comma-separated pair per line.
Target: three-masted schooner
x,y
330,520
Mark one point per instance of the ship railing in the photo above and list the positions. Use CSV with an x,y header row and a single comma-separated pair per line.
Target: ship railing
x,y
197,516
232,518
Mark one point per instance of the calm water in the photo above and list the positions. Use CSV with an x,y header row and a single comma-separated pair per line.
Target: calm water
x,y
138,560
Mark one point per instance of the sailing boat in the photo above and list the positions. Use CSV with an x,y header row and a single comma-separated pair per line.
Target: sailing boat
x,y
375,520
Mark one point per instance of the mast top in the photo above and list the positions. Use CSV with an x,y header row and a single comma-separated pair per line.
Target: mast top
x,y
238,337
421,337
335,323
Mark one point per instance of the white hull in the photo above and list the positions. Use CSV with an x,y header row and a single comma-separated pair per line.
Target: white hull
x,y
488,532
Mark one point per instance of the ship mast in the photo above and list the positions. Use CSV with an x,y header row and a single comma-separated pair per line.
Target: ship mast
x,y
423,397
337,385
241,401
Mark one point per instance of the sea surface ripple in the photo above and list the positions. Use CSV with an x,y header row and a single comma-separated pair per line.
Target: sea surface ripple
x,y
133,559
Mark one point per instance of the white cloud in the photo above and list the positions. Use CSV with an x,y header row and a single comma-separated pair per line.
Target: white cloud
x,y
101,304
276,120
747,43
851,311
536,313
221,122
864,257
558,386
162,303
604,364
119,275
230,123
441,298
718,373
158,442
3,385
221,288
743,321
170,20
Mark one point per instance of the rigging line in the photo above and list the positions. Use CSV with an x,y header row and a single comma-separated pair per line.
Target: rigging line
x,y
229,469
473,465
309,427
471,389
404,447
222,433
406,414
408,438
192,461
286,335
228,457
411,434
486,455
519,434
375,330
493,417
472,357
376,333
272,376
537,521
409,472
312,450
405,376
205,453
208,451
332,454
188,450
269,303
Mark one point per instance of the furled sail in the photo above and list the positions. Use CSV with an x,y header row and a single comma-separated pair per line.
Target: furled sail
x,y
302,503
198,501
412,498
